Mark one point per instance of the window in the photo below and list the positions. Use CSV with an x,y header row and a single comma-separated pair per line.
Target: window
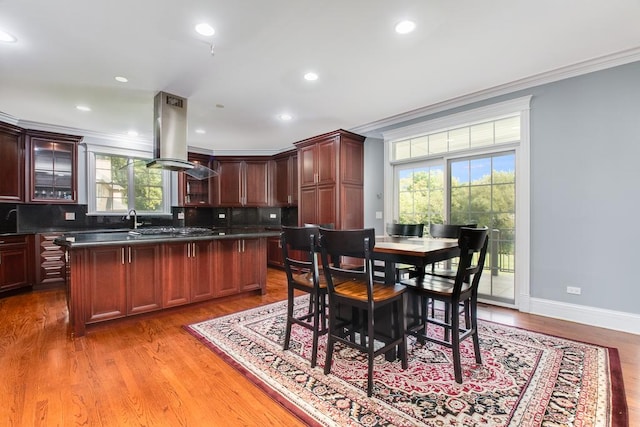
x,y
122,183
488,133
420,194
470,167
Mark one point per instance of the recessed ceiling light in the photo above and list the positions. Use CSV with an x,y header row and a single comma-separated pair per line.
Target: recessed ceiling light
x,y
83,108
285,117
311,76
201,131
132,133
205,29
121,79
405,27
7,38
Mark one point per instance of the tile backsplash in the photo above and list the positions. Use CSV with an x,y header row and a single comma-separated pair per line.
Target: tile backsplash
x,y
30,218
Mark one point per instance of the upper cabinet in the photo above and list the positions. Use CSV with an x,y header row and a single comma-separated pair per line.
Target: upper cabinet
x,y
53,160
331,175
12,167
193,191
241,182
285,179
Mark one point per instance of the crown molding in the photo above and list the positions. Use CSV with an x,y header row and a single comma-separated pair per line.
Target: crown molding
x,y
581,68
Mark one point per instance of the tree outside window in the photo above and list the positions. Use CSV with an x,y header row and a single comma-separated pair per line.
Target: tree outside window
x,y
124,183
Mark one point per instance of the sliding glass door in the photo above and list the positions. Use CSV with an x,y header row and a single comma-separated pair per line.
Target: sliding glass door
x,y
482,190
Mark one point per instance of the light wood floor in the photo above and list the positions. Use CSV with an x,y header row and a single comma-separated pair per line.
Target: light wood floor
x,y
149,371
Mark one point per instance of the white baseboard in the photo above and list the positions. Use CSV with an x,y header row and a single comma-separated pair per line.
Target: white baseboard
x,y
616,320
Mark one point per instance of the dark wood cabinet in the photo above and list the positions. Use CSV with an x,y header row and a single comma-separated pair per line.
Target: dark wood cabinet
x,y
50,258
122,280
189,272
274,253
144,278
242,265
285,179
331,178
242,182
193,192
176,274
15,267
113,281
53,165
12,154
106,284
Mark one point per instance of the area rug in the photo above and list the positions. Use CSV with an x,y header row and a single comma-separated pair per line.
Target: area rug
x,y
526,378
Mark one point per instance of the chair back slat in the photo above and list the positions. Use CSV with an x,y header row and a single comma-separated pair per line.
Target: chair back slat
x,y
302,240
471,241
405,230
447,231
358,244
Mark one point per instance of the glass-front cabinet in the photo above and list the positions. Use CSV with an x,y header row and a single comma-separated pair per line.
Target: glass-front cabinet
x,y
53,161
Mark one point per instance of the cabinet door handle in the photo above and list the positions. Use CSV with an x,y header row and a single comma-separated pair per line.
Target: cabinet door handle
x,y
188,250
193,251
122,253
129,248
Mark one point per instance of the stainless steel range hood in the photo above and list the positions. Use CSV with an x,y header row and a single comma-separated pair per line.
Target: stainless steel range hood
x,y
170,137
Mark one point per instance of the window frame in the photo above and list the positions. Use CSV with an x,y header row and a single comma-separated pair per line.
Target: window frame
x,y
132,154
523,300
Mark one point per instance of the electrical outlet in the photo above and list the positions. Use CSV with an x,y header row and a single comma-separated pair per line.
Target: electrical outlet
x,y
180,215
574,290
70,216
221,216
273,216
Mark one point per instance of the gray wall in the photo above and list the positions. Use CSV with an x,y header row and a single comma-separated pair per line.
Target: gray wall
x,y
374,183
585,150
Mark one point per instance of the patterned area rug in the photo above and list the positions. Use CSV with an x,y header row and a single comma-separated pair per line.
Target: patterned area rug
x,y
526,379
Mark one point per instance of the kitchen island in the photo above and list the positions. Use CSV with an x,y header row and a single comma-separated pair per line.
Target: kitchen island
x,y
114,274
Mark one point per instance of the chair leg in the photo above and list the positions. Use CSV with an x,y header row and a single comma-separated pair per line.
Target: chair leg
x,y
402,332
287,332
370,357
447,319
455,343
330,339
316,330
474,324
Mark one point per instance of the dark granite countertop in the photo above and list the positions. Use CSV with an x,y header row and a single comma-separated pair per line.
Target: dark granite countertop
x,y
150,235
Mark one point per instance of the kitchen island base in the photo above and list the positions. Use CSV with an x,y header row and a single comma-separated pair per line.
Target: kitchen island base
x,y
120,279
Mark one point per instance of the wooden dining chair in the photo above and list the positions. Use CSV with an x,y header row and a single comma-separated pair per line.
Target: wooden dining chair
x,y
299,246
463,289
400,230
445,231
353,295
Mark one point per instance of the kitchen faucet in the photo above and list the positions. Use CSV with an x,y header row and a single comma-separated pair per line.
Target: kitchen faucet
x,y
135,218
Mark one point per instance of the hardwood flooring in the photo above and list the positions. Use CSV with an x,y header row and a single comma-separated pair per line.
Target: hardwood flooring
x,y
148,370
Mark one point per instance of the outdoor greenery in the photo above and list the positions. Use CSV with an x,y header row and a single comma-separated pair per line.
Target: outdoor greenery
x,y
113,185
487,200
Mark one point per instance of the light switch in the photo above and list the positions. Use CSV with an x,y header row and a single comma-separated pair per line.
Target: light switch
x,y
378,214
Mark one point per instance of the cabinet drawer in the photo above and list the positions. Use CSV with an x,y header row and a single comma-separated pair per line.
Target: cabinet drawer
x,y
12,240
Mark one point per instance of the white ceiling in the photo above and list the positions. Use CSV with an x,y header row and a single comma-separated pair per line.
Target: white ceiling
x,y
69,51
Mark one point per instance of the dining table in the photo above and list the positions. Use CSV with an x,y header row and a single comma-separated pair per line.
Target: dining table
x,y
417,251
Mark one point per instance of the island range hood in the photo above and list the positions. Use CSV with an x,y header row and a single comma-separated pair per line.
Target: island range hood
x,y
170,137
